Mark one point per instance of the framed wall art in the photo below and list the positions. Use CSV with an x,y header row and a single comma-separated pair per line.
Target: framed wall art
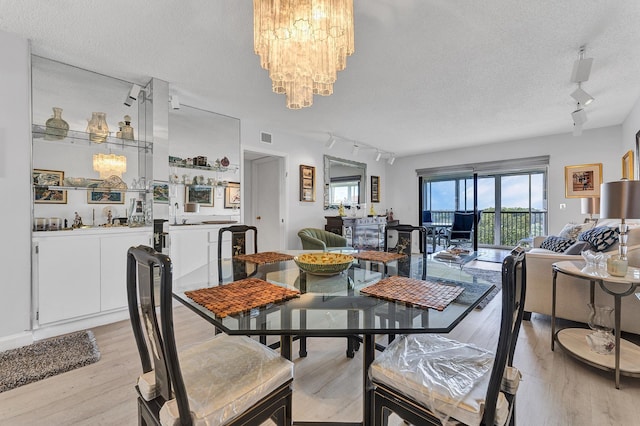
x,y
627,165
160,192
198,194
375,189
232,195
307,183
42,181
105,197
583,181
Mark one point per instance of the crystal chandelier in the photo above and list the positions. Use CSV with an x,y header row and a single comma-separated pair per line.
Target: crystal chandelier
x,y
303,44
109,165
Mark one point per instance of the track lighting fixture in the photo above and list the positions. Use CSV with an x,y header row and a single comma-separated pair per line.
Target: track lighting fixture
x,y
356,149
378,155
577,129
581,67
132,95
175,102
391,160
582,97
579,116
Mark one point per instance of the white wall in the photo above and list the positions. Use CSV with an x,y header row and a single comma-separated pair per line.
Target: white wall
x,y
594,146
309,150
15,187
630,127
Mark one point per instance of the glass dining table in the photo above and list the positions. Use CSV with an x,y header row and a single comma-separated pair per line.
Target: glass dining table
x,y
335,306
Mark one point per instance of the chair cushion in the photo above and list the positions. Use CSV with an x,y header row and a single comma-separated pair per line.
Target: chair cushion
x,y
572,230
225,376
448,377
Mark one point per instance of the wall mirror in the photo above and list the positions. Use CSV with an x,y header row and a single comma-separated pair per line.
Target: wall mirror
x,y
204,157
344,182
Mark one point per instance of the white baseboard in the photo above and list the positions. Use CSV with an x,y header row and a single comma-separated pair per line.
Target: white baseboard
x,y
57,329
16,340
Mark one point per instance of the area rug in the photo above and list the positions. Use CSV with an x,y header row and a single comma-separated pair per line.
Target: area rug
x,y
471,290
47,358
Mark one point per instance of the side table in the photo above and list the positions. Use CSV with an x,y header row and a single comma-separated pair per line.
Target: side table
x,y
626,357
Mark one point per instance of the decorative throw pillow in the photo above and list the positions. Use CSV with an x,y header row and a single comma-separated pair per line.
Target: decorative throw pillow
x,y
578,247
557,244
600,238
572,230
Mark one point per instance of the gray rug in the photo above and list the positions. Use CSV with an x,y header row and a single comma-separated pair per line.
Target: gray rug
x,y
494,277
47,358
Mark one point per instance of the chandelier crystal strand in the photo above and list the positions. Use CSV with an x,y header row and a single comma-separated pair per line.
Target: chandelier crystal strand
x,y
303,44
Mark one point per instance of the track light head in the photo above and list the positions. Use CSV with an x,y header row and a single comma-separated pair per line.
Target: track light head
x,y
391,160
331,142
577,129
356,149
378,155
132,95
582,97
579,116
581,67
175,102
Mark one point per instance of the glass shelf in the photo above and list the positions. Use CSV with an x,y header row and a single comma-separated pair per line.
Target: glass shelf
x,y
231,167
76,137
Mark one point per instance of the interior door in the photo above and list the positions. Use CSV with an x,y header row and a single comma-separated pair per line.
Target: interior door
x,y
267,187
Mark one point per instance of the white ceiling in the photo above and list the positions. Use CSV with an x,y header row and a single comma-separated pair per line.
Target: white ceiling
x,y
427,75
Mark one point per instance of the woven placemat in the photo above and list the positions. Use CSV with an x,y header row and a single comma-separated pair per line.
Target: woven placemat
x,y
263,258
425,294
379,256
240,296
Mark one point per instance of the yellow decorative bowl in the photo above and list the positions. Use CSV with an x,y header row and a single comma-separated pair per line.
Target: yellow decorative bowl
x,y
323,263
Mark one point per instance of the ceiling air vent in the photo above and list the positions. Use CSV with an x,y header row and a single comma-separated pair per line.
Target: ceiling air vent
x,y
265,137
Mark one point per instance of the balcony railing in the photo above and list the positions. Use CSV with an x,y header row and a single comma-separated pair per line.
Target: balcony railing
x,y
513,225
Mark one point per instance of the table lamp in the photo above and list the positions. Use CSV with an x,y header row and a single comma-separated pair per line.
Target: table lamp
x,y
620,199
590,206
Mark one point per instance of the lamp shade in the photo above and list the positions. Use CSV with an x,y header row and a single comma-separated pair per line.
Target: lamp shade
x,y
620,199
590,206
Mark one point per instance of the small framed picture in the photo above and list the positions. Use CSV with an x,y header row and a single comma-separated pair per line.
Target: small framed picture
x,y
307,183
583,181
105,197
199,194
43,180
375,189
232,195
160,192
627,165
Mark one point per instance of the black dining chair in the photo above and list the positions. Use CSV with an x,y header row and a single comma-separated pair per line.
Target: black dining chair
x,y
399,239
226,380
430,379
240,241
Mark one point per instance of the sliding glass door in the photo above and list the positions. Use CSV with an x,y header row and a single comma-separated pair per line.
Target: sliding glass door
x,y
511,204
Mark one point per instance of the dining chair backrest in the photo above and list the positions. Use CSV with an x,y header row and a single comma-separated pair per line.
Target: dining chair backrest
x,y
240,241
143,266
402,238
426,216
514,289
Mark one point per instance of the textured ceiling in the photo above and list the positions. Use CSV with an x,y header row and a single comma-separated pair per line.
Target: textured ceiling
x,y
426,75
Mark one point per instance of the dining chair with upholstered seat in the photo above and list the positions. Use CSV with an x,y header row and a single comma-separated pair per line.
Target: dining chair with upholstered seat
x,y
226,380
430,379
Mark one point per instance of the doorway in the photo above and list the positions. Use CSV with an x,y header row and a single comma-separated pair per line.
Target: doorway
x,y
265,203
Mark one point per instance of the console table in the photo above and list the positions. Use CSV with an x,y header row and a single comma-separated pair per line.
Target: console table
x,y
363,233
626,357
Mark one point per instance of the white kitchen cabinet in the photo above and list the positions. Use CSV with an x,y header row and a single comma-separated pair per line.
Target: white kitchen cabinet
x,y
113,269
67,274
81,273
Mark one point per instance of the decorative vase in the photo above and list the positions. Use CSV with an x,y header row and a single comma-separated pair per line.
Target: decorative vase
x,y
97,127
56,127
127,130
601,340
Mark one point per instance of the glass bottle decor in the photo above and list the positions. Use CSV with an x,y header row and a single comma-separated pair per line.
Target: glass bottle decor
x,y
127,130
56,127
601,340
97,127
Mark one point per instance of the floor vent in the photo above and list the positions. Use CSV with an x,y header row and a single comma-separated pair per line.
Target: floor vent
x,y
265,137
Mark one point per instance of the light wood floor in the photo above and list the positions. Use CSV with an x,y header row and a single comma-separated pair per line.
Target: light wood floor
x,y
556,389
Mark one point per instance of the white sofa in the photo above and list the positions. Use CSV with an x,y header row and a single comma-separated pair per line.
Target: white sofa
x,y
573,293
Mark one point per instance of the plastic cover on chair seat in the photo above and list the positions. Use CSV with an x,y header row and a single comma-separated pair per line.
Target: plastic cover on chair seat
x,y
224,376
448,377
